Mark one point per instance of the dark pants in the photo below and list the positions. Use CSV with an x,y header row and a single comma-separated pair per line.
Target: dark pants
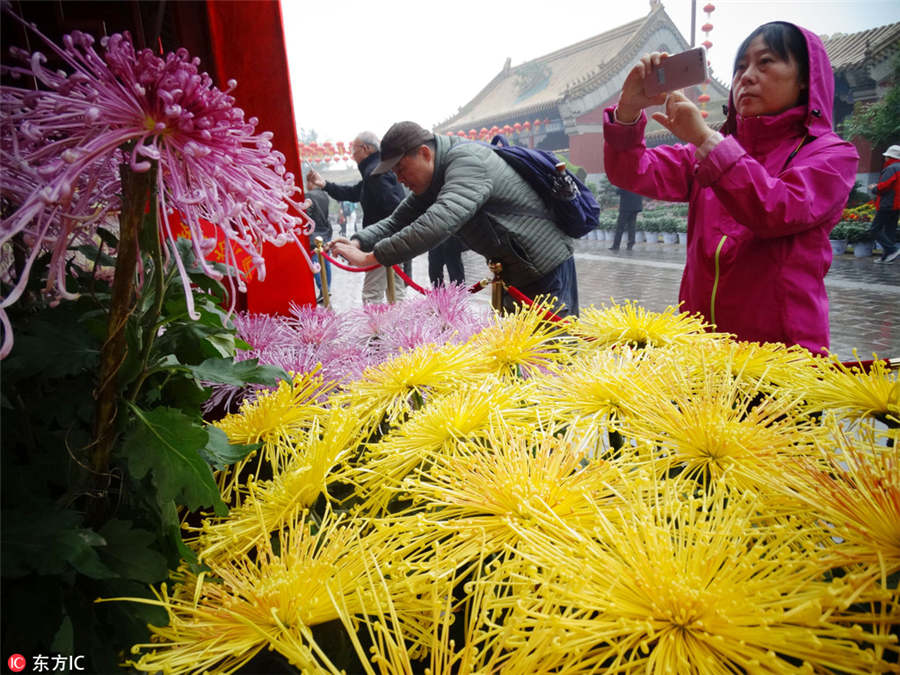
x,y
446,254
560,283
884,229
317,275
626,220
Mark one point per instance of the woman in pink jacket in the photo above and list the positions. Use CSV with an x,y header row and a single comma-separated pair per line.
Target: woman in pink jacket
x,y
764,193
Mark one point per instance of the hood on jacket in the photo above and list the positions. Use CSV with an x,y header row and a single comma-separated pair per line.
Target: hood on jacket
x,y
820,102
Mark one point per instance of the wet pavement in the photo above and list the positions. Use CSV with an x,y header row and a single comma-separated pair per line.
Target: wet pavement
x,y
864,296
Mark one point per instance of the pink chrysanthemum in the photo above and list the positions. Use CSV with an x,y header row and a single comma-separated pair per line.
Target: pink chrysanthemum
x,y
62,142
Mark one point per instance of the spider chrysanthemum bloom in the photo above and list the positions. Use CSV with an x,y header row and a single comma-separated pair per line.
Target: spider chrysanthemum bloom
x,y
309,574
278,419
466,413
492,492
684,585
710,424
589,392
395,387
631,324
138,108
856,392
265,506
854,490
521,343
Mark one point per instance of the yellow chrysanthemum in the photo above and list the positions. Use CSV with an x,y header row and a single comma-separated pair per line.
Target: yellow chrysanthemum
x,y
395,387
437,429
684,585
289,407
854,491
857,392
268,601
521,343
270,504
710,424
631,324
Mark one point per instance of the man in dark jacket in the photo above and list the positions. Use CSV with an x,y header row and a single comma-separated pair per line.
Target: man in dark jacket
x,y
466,189
318,211
630,204
378,195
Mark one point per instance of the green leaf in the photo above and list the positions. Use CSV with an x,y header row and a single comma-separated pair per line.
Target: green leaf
x,y
238,373
168,443
220,453
108,237
48,542
129,551
64,640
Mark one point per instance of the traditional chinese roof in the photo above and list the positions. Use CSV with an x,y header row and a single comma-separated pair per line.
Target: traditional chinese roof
x,y
535,87
852,50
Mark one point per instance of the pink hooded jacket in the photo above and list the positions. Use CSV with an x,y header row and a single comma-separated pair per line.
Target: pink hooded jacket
x,y
758,221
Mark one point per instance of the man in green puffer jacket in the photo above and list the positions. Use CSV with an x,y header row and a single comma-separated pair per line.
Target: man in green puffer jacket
x,y
464,189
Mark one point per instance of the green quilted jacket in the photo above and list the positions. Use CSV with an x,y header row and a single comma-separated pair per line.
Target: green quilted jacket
x,y
478,197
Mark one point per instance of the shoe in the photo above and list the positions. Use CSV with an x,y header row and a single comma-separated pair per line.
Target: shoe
x,y
629,247
320,300
891,257
613,248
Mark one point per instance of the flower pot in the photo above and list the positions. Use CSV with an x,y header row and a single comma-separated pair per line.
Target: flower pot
x,y
838,246
670,237
862,249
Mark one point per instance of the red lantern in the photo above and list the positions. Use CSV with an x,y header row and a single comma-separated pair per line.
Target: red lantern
x,y
495,130
706,27
327,159
527,125
709,8
707,44
517,127
507,129
704,114
703,98
546,121
484,131
449,133
346,158
537,123
461,133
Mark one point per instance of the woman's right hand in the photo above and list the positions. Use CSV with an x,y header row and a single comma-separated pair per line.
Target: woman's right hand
x,y
633,98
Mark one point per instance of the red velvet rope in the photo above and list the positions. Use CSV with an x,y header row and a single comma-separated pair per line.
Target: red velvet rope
x,y
347,267
409,282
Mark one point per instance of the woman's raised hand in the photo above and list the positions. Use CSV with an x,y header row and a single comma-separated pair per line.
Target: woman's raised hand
x,y
633,98
683,119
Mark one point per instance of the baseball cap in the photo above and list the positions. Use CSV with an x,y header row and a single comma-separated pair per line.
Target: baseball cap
x,y
893,152
400,139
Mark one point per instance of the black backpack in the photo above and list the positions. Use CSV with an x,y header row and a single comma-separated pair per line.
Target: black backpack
x,y
575,208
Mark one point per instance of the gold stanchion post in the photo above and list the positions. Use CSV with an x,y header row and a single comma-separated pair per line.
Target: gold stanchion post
x,y
389,271
326,298
496,286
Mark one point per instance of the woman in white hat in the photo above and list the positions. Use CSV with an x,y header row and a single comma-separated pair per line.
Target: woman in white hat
x,y
887,205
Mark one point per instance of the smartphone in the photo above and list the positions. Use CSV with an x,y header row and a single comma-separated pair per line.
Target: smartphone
x,y
678,71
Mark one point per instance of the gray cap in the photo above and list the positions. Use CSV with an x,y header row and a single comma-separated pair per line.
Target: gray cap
x,y
400,139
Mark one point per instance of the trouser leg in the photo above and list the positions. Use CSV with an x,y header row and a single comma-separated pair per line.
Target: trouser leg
x,y
374,285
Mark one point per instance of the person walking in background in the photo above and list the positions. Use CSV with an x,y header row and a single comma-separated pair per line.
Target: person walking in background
x,y
378,195
447,254
630,205
887,205
764,193
466,189
318,211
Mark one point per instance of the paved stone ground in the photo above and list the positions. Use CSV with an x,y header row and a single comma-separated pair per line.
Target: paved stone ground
x,y
864,297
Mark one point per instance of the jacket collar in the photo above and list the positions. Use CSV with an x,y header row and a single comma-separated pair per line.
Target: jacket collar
x,y
761,134
368,164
